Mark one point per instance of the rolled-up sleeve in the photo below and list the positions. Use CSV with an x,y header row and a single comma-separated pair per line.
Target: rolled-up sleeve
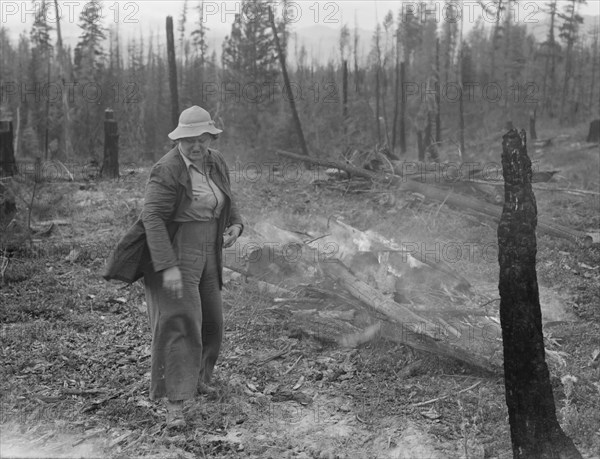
x,y
159,203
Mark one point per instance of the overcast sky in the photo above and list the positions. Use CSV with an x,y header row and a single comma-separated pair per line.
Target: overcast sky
x,y
138,17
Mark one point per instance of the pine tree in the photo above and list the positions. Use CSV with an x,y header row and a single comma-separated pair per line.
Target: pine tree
x,y
199,37
496,36
449,39
231,55
89,53
184,47
388,55
569,33
375,60
550,50
249,62
89,64
41,55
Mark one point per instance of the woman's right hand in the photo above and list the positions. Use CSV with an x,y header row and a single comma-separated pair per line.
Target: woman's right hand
x,y
172,281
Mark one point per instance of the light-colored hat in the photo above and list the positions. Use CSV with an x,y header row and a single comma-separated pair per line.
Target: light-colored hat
x,y
194,121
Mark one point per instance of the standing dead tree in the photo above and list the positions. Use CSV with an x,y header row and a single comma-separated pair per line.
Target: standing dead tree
x,y
7,154
534,429
172,73
110,164
286,81
594,132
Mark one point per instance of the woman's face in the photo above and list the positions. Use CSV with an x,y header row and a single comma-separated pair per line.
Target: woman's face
x,y
195,148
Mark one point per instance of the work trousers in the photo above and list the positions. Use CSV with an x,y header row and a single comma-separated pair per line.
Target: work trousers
x,y
186,332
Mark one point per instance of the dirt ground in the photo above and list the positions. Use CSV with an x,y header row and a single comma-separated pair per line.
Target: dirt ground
x,y
76,348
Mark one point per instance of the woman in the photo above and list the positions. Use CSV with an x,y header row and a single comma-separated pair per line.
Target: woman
x,y
188,217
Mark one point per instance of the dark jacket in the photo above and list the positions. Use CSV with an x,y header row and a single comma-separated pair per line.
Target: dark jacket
x,y
147,244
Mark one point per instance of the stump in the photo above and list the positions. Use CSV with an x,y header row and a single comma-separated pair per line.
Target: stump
x,y
535,432
594,132
532,120
8,166
8,207
110,164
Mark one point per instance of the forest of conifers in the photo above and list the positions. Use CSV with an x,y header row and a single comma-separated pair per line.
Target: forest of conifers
x,y
410,81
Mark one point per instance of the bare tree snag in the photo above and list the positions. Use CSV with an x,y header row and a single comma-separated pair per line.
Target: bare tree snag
x,y
8,165
110,163
420,146
402,129
288,87
63,71
438,98
532,119
172,73
430,143
396,92
345,96
535,431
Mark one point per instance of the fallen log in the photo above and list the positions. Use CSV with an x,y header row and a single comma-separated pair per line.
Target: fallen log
x,y
464,334
380,244
407,327
375,299
462,202
452,173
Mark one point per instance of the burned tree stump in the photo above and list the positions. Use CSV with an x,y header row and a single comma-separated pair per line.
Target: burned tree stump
x,y
8,166
594,132
532,120
110,163
535,432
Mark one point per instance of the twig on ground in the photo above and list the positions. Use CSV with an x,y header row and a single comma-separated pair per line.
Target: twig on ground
x,y
292,367
275,355
488,302
428,402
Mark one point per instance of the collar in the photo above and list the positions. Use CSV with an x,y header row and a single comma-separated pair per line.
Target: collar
x,y
187,162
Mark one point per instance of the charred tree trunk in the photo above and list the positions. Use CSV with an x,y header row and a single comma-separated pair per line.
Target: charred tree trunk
x,y
110,163
594,132
345,96
430,144
438,98
534,429
461,103
286,81
377,111
172,73
355,53
8,166
47,126
396,96
420,146
402,137
532,119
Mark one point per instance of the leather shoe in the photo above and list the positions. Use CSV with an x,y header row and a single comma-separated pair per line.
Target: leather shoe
x,y
205,389
175,415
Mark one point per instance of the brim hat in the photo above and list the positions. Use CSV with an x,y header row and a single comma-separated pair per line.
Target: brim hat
x,y
194,121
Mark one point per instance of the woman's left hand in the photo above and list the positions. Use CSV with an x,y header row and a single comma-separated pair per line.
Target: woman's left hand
x,y
230,235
